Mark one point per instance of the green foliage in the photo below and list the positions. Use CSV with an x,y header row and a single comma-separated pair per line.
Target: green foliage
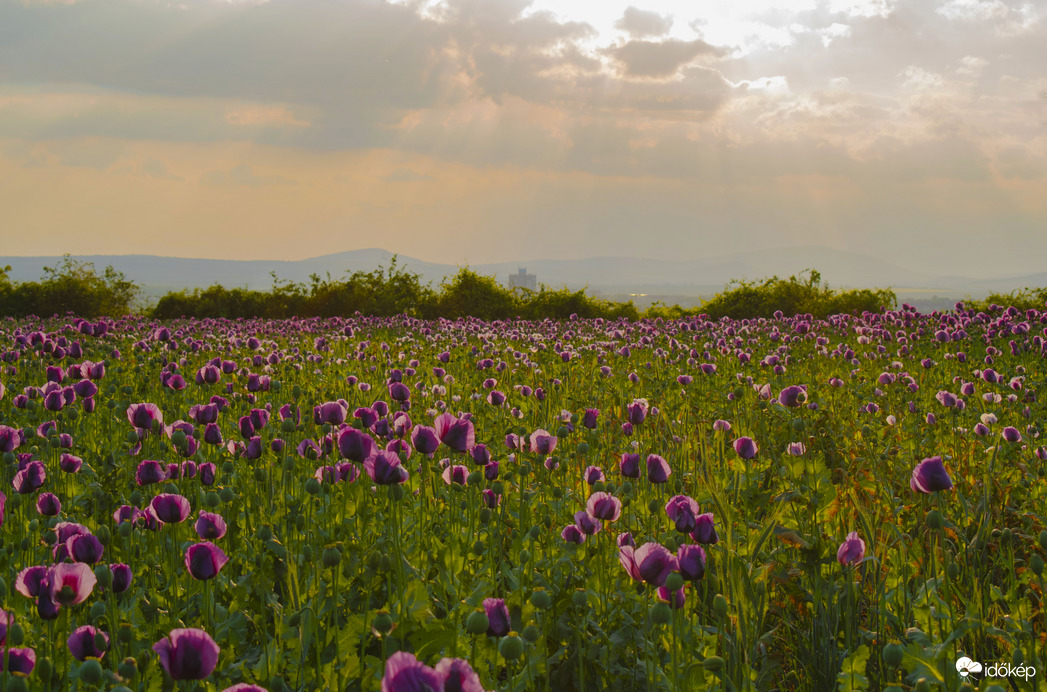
x,y
793,296
70,286
1023,299
387,292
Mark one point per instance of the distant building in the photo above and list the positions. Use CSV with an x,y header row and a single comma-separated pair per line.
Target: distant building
x,y
521,279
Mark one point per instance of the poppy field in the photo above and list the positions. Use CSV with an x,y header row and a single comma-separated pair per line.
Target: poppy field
x,y
394,504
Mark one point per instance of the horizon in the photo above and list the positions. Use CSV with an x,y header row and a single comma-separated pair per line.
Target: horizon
x,y
468,133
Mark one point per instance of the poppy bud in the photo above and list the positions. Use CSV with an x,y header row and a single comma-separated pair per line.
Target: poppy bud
x,y
720,605
540,599
15,635
382,623
674,582
477,622
712,663
1036,562
661,613
511,647
91,671
128,668
331,556
16,684
530,634
934,519
580,598
98,612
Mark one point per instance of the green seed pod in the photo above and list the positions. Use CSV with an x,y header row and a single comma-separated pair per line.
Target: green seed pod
x,y
534,533
98,607
135,498
1042,539
713,664
477,622
557,493
382,622
299,522
331,556
1036,562
91,671
525,556
485,515
720,605
227,495
1007,536
15,635
478,548
582,449
104,575
103,534
125,634
128,668
131,437
674,581
259,475
934,519
922,685
294,620
264,532
124,529
287,425
307,553
580,598
530,634
385,563
953,571
541,600
547,521
16,684
598,487
654,506
511,647
178,438
661,613
312,486
474,478
396,492
892,655
44,669
228,467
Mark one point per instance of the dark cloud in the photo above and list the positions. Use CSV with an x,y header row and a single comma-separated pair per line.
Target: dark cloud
x,y
660,58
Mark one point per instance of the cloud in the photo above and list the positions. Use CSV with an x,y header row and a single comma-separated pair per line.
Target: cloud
x,y
643,23
660,58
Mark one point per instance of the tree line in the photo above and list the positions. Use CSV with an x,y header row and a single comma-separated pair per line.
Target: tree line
x,y
77,287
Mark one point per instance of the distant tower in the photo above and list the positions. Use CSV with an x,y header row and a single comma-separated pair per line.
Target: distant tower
x,y
521,279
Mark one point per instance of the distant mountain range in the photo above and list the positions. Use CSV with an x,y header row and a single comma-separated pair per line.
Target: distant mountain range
x,y
620,277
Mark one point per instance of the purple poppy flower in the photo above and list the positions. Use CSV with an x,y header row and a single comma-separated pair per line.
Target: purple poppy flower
x,y
424,439
205,560
368,416
85,548
793,396
795,449
144,416
572,534
207,472
204,413
658,470
630,465
457,433
851,551
20,661
385,468
10,439
122,577
70,583
170,508
82,643
69,463
654,563
1011,434
705,529
458,676
946,399
455,474
30,478
745,447
355,445
48,504
3,506
210,526
721,426
491,471
330,412
675,599
213,434
398,391
31,581
490,499
637,411
150,471
691,561
589,418
683,512
497,617
405,673
604,507
930,476
593,475
585,523
187,654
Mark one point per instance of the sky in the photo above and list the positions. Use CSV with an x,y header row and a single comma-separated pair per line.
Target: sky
x,y
473,131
